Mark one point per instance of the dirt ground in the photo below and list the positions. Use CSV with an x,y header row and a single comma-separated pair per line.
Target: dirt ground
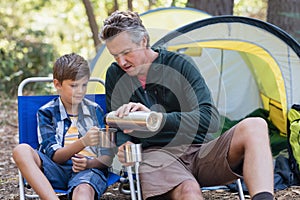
x,y
9,189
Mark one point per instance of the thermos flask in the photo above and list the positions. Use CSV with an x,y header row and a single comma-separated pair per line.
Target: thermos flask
x,y
139,120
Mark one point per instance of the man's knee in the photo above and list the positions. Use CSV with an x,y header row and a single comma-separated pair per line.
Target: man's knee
x,y
254,127
189,187
251,132
253,123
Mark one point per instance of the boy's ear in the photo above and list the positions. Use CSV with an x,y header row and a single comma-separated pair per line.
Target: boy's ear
x,y
56,84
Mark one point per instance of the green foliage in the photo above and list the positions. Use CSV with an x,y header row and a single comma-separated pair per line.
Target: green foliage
x,y
25,59
22,52
255,8
33,33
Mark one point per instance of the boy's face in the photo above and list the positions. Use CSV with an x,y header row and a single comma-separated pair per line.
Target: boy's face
x,y
71,92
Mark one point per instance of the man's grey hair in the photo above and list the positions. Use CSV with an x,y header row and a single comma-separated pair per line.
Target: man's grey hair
x,y
120,21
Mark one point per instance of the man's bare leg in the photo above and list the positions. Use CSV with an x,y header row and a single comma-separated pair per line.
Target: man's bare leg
x,y
250,144
187,190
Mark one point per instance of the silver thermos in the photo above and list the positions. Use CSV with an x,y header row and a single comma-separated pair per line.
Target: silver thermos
x,y
138,120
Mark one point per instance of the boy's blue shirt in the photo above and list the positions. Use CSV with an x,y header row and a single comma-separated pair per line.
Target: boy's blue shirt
x,y
53,123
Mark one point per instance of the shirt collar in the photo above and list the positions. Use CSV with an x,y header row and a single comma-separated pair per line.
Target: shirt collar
x,y
62,110
83,110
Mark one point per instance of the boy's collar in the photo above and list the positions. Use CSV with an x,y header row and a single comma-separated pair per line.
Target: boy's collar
x,y
82,110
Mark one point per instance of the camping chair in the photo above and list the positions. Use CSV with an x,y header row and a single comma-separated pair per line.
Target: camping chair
x,y
27,108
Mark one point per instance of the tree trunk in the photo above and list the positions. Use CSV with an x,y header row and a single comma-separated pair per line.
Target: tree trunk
x,y
286,15
116,5
151,3
92,23
129,5
173,3
213,7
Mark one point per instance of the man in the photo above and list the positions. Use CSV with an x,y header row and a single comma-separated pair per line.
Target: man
x,y
175,159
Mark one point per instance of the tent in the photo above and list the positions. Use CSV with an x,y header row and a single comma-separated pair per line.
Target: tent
x,y
247,64
158,23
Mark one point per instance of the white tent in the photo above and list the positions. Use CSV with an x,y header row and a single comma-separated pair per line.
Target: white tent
x,y
247,64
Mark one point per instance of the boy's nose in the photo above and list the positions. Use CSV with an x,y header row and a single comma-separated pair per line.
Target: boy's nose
x,y
80,89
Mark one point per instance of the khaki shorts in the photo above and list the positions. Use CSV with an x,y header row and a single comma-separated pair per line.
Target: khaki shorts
x,y
164,168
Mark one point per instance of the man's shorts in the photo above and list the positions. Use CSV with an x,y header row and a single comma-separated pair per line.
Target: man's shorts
x,y
165,168
62,177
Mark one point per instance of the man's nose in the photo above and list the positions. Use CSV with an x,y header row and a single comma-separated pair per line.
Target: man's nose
x,y
121,60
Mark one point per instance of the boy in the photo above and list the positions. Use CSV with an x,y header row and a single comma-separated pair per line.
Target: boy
x,y
68,132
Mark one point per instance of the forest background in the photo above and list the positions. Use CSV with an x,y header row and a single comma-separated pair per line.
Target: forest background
x,y
33,33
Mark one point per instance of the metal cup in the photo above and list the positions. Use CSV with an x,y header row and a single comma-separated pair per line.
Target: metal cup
x,y
107,137
133,153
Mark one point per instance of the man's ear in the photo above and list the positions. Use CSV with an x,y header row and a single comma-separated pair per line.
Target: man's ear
x,y
56,84
144,42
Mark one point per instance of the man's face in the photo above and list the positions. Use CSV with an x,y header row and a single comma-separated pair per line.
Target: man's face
x,y
130,56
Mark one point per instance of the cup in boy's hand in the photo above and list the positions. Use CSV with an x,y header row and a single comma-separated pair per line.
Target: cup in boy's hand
x,y
107,137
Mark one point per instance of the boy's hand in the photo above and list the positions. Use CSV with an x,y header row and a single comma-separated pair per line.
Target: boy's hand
x,y
91,138
79,163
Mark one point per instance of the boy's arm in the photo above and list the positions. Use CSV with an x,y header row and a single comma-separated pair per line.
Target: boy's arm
x,y
65,153
91,138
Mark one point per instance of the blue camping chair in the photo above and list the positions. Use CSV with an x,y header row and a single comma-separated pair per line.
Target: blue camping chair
x,y
27,108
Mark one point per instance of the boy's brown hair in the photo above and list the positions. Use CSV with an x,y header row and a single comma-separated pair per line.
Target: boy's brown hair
x,y
70,67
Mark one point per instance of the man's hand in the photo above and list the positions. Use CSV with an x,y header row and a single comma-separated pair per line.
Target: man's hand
x,y
91,138
125,109
121,154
